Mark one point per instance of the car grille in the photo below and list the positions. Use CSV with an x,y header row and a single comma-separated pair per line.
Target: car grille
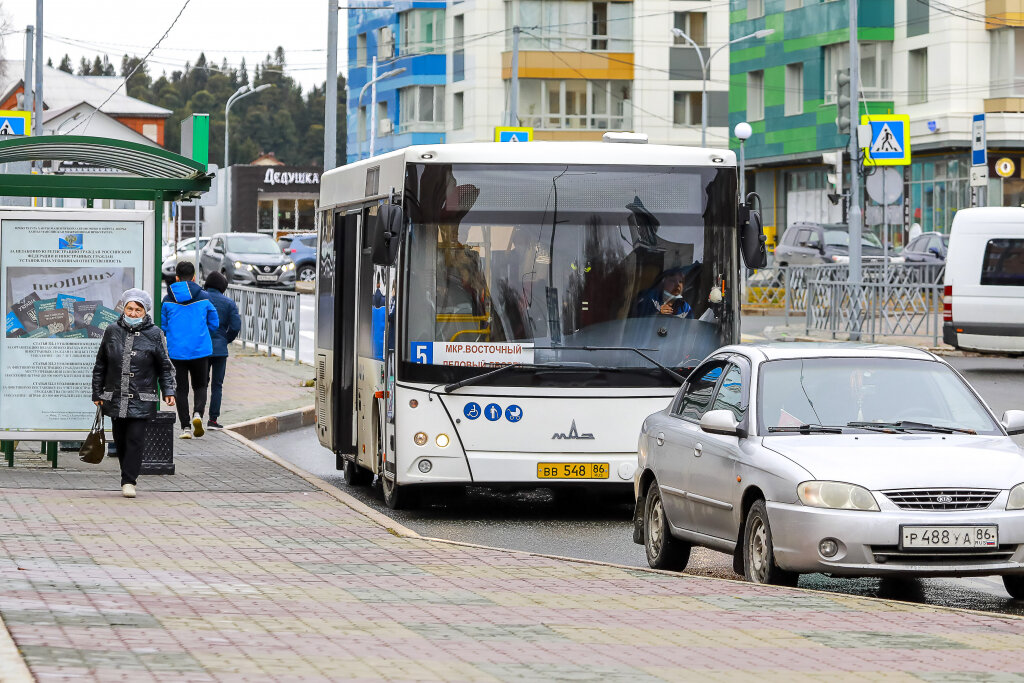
x,y
942,500
266,270
892,554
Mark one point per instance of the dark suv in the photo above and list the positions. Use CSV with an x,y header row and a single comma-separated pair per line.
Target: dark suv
x,y
301,247
808,244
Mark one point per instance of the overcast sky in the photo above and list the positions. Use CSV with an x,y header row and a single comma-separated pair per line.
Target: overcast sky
x,y
229,29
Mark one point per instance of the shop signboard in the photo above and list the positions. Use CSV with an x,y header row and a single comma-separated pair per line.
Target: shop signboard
x,y
62,273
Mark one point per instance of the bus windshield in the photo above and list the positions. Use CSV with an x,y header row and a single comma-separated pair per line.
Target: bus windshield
x,y
570,267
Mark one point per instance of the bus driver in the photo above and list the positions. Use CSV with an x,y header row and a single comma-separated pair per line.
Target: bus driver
x,y
666,296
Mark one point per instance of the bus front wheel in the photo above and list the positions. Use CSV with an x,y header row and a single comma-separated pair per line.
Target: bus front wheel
x,y
397,497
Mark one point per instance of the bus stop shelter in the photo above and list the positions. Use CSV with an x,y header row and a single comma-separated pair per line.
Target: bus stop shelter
x,y
157,175
154,174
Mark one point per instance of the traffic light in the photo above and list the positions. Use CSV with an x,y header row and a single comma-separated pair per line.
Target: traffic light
x,y
843,117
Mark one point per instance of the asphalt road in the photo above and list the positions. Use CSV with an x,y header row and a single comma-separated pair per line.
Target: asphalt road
x,y
601,529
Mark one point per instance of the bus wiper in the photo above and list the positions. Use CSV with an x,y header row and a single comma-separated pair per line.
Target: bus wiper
x,y
476,379
669,371
808,429
920,426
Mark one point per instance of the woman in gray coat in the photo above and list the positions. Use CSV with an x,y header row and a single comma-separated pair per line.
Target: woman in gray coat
x,y
131,360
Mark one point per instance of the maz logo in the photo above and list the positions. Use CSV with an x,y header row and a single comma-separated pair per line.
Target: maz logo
x,y
573,434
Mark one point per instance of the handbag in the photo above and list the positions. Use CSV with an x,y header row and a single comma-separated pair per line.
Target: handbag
x,y
95,445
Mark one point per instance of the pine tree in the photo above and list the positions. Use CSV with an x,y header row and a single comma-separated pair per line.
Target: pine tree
x,y
65,64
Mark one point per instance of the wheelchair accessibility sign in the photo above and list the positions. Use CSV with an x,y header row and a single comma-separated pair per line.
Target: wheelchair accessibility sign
x,y
890,140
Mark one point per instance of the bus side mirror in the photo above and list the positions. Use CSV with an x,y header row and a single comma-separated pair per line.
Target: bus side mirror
x,y
387,231
752,239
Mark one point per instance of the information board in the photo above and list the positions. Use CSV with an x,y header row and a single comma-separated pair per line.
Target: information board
x,y
62,273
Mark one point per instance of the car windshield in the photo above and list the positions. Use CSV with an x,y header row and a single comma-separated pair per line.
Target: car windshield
x,y
550,265
841,238
256,244
838,391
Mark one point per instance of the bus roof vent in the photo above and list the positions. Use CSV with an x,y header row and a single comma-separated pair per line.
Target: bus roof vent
x,y
632,138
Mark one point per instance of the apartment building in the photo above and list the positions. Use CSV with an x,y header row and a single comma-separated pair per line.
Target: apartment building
x,y
584,68
937,63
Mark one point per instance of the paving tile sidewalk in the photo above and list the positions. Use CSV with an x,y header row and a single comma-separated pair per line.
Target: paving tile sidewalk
x,y
251,583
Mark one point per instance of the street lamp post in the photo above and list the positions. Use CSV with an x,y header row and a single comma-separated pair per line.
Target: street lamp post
x,y
374,79
244,91
705,65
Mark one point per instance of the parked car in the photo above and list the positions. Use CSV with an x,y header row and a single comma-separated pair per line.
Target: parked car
x,y
983,300
302,250
185,250
928,247
850,460
806,244
249,259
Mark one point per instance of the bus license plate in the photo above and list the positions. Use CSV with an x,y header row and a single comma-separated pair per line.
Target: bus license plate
x,y
266,278
572,470
986,536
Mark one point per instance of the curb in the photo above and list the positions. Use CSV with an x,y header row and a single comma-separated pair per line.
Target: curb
x,y
333,491
268,425
13,668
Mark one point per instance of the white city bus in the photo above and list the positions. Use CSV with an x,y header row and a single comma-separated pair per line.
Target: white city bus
x,y
506,314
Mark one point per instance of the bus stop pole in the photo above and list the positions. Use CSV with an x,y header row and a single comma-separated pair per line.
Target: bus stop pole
x,y
158,230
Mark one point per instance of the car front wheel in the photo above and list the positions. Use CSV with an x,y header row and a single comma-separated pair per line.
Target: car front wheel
x,y
306,274
759,553
664,551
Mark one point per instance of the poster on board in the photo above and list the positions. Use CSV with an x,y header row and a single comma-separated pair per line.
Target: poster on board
x,y
61,278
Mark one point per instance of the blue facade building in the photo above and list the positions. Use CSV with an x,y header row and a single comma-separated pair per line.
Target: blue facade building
x,y
410,35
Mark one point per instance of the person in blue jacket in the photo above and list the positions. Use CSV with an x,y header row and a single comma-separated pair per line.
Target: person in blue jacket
x,y
230,325
189,319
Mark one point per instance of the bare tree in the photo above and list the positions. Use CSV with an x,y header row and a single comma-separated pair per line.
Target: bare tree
x,y
5,27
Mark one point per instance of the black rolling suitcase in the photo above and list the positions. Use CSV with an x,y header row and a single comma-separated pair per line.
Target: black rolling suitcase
x,y
158,445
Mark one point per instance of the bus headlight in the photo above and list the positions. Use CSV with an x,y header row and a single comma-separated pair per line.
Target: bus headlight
x,y
420,438
442,441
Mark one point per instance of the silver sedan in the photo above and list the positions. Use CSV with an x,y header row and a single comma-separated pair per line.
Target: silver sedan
x,y
852,460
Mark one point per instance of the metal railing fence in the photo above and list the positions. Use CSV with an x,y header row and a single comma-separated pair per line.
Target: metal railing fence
x,y
269,318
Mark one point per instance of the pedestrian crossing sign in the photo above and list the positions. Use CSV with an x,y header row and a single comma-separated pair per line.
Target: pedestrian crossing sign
x,y
513,134
15,123
890,140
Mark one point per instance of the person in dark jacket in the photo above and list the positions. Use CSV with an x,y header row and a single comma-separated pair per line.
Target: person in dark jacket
x,y
230,325
131,359
189,319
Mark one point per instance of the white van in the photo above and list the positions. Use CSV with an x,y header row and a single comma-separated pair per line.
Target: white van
x,y
983,301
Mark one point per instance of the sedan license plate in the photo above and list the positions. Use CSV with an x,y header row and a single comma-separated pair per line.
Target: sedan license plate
x,y
266,278
982,536
572,470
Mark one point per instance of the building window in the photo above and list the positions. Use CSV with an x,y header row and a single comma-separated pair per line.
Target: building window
x,y
385,43
575,104
422,31
422,108
917,17
361,49
458,103
755,96
686,108
693,24
384,124
755,9
1007,75
875,69
361,124
917,76
571,25
459,48
794,89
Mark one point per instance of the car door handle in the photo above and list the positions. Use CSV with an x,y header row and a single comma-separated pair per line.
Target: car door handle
x,y
698,449
661,439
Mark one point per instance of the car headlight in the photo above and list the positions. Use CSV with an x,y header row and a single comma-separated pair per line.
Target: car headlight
x,y
836,495
1016,499
244,266
289,266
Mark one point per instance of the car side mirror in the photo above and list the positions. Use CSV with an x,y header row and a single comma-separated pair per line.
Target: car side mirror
x,y
752,238
935,250
387,231
218,249
720,422
1013,421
